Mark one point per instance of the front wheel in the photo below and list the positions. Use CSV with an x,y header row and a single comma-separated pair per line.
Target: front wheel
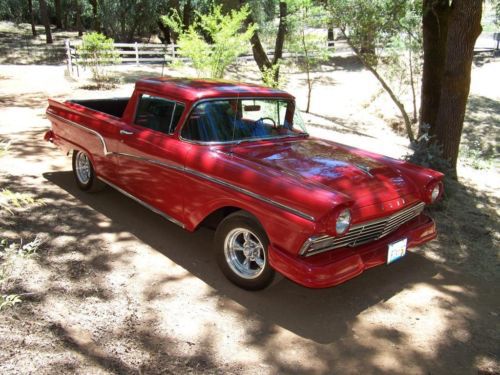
x,y
241,251
84,173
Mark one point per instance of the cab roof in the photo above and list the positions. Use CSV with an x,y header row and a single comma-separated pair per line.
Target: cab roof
x,y
186,89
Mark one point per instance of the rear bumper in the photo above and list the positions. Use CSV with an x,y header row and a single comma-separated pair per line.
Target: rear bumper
x,y
339,265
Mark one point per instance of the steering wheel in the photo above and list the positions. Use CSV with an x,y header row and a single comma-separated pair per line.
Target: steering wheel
x,y
268,118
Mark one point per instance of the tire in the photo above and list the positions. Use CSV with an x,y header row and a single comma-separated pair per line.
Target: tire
x,y
240,246
84,173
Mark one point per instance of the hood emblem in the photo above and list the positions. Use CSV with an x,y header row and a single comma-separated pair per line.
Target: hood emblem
x,y
364,169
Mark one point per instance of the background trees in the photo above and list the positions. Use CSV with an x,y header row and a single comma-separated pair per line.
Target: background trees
x,y
403,43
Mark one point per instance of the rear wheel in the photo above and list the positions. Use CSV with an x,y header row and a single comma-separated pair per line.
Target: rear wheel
x,y
84,173
241,251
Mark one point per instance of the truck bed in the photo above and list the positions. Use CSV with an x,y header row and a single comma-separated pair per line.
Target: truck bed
x,y
114,106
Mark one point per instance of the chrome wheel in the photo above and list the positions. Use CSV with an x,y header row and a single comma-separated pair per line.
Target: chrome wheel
x,y
82,168
244,253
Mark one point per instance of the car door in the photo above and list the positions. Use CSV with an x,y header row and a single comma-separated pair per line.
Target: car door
x,y
152,158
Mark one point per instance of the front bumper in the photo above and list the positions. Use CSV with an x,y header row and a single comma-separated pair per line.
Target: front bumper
x,y
339,265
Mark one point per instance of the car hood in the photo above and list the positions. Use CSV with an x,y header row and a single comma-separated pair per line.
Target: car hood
x,y
365,180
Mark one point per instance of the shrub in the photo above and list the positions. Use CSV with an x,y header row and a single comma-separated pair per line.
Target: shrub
x,y
428,153
269,76
227,41
96,52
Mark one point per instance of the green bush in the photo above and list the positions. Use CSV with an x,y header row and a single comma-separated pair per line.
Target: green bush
x,y
224,32
96,52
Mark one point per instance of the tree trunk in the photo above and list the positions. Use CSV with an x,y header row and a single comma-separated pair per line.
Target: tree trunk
x,y
463,29
308,71
259,54
412,85
280,36
280,39
96,24
79,25
435,30
384,84
32,17
165,31
58,7
330,35
186,15
45,19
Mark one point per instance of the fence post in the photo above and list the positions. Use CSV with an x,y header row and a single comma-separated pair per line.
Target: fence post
x,y
136,53
173,50
68,56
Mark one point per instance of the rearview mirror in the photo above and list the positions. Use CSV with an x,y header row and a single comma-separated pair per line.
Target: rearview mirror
x,y
251,108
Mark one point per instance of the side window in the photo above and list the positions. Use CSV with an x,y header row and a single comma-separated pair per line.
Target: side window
x,y
158,113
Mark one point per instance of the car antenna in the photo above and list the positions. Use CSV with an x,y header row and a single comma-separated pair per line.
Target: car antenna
x,y
234,120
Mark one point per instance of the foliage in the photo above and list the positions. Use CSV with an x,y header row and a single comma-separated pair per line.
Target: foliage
x,y
10,300
124,19
384,32
97,51
497,12
9,252
427,153
269,77
474,156
10,200
227,42
13,10
304,40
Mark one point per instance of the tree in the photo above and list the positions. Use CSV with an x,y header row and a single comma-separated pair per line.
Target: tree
x,y
78,10
45,19
369,27
122,19
32,17
223,31
270,68
311,47
58,8
450,30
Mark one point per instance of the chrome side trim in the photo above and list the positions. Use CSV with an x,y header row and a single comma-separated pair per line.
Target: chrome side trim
x,y
72,123
222,183
253,195
164,215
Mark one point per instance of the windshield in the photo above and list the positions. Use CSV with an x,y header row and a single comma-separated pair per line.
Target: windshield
x,y
227,120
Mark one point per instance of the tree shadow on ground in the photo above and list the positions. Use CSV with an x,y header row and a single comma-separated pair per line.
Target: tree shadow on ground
x,y
323,316
31,100
92,235
19,47
482,128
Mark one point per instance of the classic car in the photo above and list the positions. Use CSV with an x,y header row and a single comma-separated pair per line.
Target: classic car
x,y
237,157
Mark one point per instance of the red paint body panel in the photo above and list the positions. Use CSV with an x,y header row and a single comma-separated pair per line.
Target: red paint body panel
x,y
295,187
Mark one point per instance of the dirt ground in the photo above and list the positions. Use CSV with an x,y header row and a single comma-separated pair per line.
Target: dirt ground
x,y
116,289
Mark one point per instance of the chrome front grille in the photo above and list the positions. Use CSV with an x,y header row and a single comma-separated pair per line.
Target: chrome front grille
x,y
362,233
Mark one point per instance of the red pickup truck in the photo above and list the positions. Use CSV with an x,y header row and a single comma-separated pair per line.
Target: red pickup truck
x,y
238,156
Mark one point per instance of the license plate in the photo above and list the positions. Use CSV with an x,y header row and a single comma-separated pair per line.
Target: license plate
x,y
396,250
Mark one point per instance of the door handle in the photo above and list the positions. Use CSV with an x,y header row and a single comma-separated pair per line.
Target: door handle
x,y
126,132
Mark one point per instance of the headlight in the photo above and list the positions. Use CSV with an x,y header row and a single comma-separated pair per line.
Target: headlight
x,y
343,221
436,192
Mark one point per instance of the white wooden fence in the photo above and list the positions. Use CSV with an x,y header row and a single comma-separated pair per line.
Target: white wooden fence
x,y
137,53
145,53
